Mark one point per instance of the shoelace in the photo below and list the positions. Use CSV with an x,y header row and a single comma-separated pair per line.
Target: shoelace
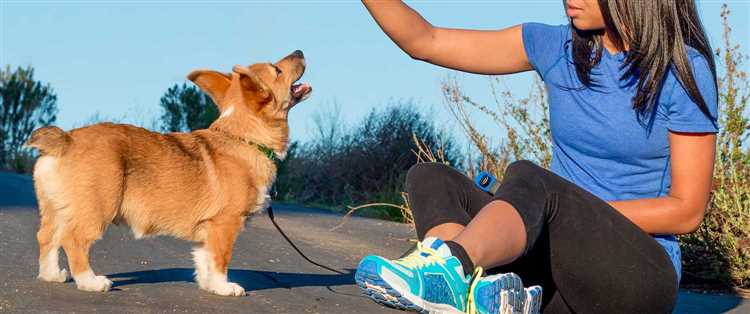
x,y
471,307
416,259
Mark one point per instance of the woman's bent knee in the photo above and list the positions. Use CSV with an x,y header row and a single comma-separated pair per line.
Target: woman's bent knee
x,y
424,175
524,168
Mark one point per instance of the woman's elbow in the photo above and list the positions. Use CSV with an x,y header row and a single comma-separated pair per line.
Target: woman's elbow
x,y
692,221
418,51
415,54
420,47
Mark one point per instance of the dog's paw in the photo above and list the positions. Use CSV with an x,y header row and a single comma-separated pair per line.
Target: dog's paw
x,y
54,276
228,289
94,283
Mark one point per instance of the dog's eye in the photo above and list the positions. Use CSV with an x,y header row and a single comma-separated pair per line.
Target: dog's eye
x,y
278,70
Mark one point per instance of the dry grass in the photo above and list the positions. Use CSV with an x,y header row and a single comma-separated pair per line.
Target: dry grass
x,y
524,120
403,209
719,252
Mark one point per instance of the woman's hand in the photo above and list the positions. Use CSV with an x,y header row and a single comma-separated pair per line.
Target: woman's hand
x,y
483,52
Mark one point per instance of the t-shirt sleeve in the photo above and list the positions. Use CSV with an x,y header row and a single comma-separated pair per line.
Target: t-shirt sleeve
x,y
544,44
684,113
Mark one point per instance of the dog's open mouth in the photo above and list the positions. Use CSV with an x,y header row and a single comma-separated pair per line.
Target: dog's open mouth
x,y
300,92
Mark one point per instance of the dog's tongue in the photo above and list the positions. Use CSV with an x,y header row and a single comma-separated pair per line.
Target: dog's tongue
x,y
301,90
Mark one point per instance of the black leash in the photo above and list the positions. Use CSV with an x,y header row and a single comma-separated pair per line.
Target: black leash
x,y
273,221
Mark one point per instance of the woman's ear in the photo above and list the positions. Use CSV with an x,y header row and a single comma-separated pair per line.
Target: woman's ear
x,y
213,83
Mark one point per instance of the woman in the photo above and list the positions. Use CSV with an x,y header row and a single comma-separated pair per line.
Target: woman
x,y
633,101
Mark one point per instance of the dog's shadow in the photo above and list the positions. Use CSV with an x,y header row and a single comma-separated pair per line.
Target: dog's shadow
x,y
251,280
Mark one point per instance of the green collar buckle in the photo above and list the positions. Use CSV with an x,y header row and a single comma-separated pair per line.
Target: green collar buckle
x,y
267,151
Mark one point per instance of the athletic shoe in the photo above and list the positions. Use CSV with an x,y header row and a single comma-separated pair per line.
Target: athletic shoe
x,y
501,293
429,280
533,300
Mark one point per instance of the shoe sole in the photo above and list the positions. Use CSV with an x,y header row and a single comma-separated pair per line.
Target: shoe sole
x,y
533,300
508,287
377,289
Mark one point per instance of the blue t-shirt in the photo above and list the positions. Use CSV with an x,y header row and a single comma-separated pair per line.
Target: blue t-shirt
x,y
598,141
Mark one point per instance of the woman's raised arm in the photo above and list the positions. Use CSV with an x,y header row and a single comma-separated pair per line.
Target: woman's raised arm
x,y
483,52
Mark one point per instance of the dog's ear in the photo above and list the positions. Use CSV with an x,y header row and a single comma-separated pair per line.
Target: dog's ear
x,y
214,83
252,83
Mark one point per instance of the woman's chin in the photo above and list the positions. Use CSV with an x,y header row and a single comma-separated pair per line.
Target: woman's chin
x,y
584,25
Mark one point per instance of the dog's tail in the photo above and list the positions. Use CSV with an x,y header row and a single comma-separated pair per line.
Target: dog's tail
x,y
50,140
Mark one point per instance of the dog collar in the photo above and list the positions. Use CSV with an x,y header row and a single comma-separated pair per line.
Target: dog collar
x,y
267,151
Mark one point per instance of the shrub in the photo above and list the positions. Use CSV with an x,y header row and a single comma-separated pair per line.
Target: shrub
x,y
719,251
367,163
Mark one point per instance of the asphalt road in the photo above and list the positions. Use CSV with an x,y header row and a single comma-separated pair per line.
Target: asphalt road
x,y
155,275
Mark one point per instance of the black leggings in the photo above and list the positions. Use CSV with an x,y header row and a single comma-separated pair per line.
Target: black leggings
x,y
587,257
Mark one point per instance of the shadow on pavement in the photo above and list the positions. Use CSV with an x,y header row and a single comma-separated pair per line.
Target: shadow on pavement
x,y
694,303
251,280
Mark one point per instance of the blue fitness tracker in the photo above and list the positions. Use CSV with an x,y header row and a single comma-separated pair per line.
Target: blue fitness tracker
x,y
486,182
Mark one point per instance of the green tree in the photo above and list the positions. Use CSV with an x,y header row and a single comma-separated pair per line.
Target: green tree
x,y
186,108
25,104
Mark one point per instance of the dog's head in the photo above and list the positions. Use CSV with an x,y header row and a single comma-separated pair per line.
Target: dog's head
x,y
263,90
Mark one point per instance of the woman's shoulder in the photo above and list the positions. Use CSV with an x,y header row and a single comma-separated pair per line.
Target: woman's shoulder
x,y
701,68
561,31
545,44
685,115
698,61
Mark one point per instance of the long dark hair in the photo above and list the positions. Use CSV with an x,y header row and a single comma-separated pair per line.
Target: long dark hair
x,y
657,33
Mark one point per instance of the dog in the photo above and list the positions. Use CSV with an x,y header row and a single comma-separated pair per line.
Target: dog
x,y
198,186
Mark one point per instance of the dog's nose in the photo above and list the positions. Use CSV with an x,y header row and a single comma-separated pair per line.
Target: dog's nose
x,y
298,54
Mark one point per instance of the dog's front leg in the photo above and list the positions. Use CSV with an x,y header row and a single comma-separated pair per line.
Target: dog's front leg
x,y
212,258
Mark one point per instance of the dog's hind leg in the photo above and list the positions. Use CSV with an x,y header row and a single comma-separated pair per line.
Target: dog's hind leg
x,y
95,200
77,240
49,194
212,259
89,217
49,244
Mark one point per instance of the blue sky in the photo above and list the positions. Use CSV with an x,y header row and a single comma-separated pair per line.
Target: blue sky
x,y
116,58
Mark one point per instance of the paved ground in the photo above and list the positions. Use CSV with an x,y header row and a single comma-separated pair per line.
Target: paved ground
x,y
155,275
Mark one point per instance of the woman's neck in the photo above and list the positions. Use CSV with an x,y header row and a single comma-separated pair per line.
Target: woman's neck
x,y
613,42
